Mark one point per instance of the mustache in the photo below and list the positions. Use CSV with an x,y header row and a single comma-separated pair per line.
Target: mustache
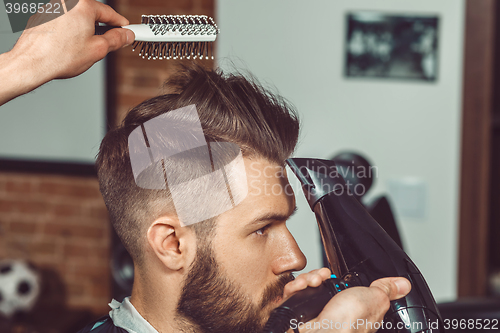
x,y
275,290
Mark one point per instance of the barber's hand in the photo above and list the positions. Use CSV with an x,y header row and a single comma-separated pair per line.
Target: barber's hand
x,y
368,304
66,46
60,48
362,305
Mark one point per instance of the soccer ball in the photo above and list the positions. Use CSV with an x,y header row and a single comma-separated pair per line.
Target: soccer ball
x,y
19,287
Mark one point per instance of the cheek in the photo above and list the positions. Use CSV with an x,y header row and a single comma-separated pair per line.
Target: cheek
x,y
247,264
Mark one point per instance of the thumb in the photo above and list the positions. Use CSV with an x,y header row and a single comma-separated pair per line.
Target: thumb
x,y
394,287
118,38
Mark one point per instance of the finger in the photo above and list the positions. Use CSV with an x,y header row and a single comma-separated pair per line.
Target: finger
x,y
117,38
298,284
307,277
325,273
106,14
312,279
317,276
292,287
394,287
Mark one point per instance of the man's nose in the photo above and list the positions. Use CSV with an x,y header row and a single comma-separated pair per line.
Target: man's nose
x,y
288,256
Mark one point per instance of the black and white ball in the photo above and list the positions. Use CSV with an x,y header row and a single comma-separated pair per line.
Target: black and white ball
x,y
19,287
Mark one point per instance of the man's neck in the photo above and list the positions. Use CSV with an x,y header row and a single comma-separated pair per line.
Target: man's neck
x,y
156,301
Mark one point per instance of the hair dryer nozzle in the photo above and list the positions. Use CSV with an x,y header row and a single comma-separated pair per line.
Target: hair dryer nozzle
x,y
318,177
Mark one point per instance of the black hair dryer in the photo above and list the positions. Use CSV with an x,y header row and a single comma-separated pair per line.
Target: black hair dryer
x,y
359,251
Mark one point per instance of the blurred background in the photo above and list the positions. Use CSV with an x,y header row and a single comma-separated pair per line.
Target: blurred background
x,y
411,86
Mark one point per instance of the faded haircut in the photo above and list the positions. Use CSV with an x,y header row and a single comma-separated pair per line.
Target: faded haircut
x,y
231,107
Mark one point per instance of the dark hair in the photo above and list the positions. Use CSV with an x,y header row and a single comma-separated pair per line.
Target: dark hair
x,y
231,108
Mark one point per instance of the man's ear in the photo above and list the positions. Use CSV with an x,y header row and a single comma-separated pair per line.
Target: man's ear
x,y
172,243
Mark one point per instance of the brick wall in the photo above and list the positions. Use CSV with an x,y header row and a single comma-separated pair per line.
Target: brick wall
x,y
60,222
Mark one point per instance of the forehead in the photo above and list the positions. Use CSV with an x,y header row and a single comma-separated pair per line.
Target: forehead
x,y
268,193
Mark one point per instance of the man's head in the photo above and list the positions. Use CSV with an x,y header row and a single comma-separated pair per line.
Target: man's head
x,y
245,253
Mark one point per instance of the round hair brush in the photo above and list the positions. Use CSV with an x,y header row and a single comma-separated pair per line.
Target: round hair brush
x,y
172,36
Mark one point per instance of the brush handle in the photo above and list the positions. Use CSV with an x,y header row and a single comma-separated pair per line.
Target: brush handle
x,y
102,29
159,33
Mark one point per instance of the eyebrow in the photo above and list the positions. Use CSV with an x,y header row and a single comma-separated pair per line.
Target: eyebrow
x,y
272,217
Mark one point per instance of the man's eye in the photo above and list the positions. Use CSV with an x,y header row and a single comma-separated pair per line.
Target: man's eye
x,y
262,230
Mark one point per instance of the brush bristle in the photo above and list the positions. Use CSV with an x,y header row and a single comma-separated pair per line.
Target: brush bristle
x,y
184,24
174,50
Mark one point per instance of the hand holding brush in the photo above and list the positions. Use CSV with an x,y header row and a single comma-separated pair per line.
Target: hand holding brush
x,y
60,48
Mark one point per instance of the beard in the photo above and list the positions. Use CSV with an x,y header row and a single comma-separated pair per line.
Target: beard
x,y
211,303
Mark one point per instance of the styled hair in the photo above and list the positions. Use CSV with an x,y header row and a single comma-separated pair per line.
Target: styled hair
x,y
231,108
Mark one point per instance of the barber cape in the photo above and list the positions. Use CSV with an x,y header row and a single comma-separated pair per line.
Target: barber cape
x,y
123,318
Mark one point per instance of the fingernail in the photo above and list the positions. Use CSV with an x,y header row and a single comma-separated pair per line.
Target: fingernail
x,y
403,285
130,37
